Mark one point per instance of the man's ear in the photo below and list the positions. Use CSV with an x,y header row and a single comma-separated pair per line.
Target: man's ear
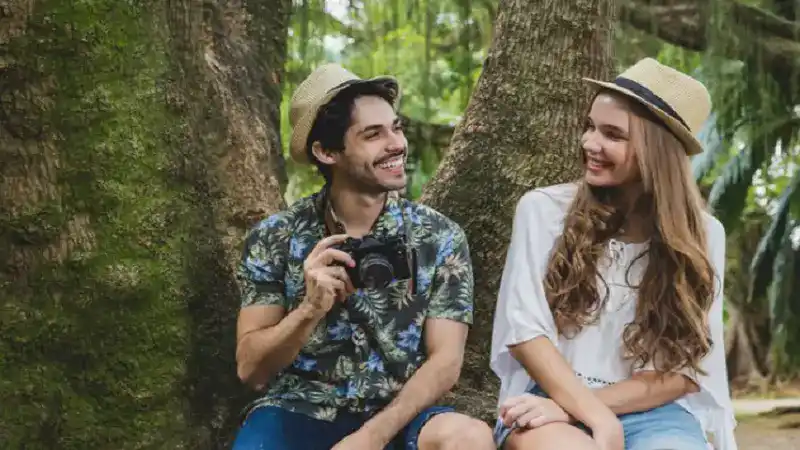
x,y
322,155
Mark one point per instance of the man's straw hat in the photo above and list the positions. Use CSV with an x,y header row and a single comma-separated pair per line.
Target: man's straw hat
x,y
680,101
315,91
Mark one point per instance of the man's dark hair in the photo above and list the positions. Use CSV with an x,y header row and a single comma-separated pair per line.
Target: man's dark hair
x,y
335,117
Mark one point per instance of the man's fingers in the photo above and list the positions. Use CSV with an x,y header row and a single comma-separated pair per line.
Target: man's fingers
x,y
338,272
326,243
328,281
331,255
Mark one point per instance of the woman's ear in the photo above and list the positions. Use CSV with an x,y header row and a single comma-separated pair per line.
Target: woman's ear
x,y
324,156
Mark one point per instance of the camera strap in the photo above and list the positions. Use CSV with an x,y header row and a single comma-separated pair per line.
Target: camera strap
x,y
411,251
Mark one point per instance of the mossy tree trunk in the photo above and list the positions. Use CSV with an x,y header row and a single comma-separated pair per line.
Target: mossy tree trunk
x,y
519,131
131,161
227,60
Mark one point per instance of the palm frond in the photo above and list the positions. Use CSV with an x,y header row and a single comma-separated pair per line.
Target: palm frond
x,y
764,259
714,146
780,291
729,192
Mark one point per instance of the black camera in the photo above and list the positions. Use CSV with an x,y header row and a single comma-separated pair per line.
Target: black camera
x,y
378,262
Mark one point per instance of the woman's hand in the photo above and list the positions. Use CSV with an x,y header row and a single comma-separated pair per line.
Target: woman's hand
x,y
609,434
531,411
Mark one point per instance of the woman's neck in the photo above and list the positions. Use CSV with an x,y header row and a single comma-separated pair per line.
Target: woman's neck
x,y
637,226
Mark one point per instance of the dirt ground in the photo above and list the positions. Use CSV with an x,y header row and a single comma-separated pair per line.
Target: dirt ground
x,y
761,424
769,432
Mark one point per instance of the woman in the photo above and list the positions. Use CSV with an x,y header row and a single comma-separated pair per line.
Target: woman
x,y
608,328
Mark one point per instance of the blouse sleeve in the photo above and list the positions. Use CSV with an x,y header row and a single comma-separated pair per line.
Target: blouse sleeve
x,y
522,312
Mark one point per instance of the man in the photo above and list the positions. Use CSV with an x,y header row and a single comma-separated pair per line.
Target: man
x,y
340,367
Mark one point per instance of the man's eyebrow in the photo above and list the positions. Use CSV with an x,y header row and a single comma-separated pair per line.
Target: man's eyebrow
x,y
370,128
377,126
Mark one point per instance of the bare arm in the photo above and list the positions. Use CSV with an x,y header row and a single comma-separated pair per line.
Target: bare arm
x,y
268,340
645,390
444,341
545,364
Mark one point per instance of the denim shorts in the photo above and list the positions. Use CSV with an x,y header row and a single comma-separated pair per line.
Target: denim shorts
x,y
275,428
669,426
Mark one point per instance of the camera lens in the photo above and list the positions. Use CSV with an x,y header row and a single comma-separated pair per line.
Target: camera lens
x,y
376,272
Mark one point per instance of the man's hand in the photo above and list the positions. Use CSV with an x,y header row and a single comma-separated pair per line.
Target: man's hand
x,y
326,281
531,411
363,439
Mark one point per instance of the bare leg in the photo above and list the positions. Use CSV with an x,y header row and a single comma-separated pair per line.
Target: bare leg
x,y
454,431
553,436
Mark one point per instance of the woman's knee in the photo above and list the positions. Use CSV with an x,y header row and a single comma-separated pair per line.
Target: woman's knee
x,y
553,436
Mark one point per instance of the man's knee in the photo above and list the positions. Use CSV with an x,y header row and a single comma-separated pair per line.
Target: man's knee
x,y
451,431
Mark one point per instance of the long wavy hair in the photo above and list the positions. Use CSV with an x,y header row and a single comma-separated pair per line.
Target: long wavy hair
x,y
670,329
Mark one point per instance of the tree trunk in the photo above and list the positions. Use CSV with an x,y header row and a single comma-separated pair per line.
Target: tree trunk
x,y
228,59
519,131
748,332
138,140
88,330
747,349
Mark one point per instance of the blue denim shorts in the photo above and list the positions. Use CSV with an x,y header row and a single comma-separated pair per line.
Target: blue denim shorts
x,y
275,428
669,426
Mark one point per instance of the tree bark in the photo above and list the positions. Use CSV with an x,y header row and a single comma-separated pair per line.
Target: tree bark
x,y
520,131
138,141
748,328
228,59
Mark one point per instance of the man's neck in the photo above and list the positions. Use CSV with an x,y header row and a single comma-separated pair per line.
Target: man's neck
x,y
355,209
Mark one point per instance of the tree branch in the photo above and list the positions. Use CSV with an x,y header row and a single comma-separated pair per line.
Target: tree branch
x,y
772,39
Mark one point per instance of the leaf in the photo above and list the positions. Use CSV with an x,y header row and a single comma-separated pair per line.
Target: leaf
x,y
714,146
761,267
729,192
780,291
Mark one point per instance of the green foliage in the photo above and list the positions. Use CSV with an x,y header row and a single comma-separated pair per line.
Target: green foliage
x,y
752,164
434,48
92,349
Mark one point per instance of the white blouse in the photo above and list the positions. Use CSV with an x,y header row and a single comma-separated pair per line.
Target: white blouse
x,y
522,313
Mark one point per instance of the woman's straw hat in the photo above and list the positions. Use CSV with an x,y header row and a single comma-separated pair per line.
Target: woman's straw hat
x,y
315,91
680,101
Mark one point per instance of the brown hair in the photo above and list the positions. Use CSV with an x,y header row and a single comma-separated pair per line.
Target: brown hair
x,y
670,329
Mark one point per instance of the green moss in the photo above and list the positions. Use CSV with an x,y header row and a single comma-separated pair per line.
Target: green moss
x,y
93,348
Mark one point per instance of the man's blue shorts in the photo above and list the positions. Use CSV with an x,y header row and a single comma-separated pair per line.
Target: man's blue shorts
x,y
275,428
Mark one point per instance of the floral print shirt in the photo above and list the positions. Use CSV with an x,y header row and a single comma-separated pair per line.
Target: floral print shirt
x,y
363,352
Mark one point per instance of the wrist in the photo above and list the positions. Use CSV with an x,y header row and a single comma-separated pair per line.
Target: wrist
x,y
602,419
383,426
309,311
377,432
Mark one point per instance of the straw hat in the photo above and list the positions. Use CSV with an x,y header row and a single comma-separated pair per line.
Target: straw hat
x,y
682,102
315,91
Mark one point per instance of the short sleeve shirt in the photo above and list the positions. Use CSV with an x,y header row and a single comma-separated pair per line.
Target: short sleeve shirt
x,y
363,351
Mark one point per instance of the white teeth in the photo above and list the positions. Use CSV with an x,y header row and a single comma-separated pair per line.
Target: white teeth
x,y
392,163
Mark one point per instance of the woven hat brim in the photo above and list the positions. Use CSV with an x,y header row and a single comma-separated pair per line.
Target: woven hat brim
x,y
301,130
690,142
